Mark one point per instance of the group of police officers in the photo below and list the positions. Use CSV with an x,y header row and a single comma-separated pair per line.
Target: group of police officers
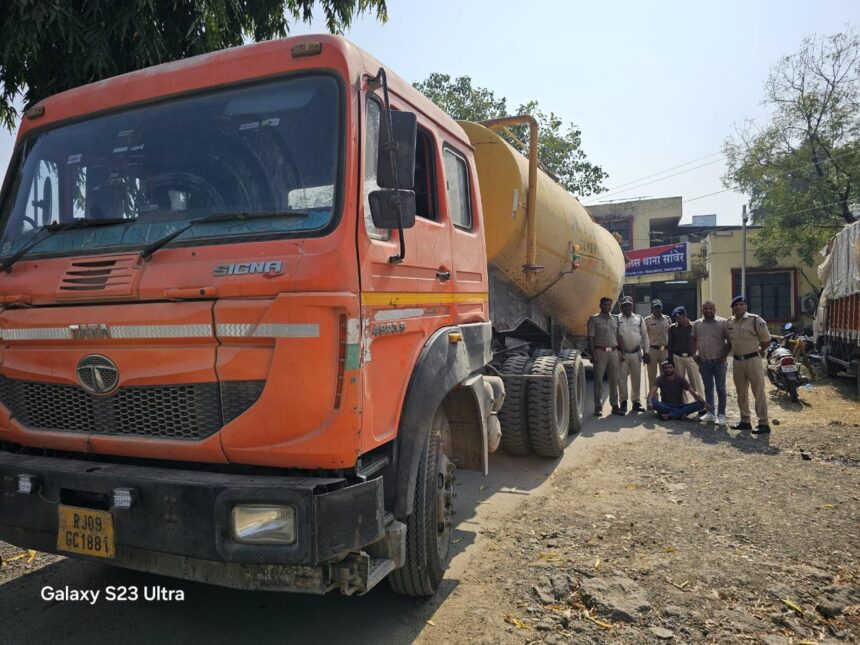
x,y
698,350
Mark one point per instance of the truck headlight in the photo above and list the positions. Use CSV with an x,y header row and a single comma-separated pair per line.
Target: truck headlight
x,y
264,524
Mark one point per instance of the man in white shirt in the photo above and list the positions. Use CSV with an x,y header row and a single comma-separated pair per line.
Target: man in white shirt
x,y
634,345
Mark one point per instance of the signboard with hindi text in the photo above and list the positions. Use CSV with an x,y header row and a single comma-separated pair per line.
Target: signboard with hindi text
x,y
668,258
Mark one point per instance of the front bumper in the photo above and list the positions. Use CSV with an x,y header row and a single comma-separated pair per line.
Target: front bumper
x,y
180,522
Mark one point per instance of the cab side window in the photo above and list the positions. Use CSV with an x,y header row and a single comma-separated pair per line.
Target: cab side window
x,y
425,183
457,187
371,155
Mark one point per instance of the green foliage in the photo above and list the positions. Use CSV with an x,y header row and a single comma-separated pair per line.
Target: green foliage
x,y
47,46
559,148
802,169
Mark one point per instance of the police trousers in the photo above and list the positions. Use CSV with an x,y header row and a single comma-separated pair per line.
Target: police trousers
x,y
749,375
630,368
605,363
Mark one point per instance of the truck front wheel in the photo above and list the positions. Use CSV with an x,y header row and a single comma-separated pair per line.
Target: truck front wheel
x,y
428,528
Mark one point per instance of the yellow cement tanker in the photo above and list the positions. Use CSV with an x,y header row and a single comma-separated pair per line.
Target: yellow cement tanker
x,y
538,262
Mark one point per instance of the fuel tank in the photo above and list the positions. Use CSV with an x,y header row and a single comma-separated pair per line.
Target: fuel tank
x,y
568,295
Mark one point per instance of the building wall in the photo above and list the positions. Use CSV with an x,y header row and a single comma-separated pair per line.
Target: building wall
x,y
639,213
724,259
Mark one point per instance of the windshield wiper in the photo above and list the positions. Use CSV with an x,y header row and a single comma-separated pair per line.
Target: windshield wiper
x,y
49,229
147,251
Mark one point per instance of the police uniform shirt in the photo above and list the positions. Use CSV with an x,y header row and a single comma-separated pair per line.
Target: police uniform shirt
x,y
658,330
632,331
710,337
604,330
747,333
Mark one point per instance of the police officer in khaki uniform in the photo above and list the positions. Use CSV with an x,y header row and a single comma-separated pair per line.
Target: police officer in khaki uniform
x,y
633,351
603,336
749,338
657,326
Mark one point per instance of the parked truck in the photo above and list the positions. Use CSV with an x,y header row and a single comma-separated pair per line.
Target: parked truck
x,y
837,328
256,307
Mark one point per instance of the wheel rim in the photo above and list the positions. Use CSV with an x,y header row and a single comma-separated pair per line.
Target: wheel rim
x,y
580,391
444,503
560,417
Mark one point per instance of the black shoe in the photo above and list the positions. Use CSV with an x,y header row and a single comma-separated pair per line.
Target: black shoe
x,y
623,407
597,413
761,429
637,407
743,425
618,411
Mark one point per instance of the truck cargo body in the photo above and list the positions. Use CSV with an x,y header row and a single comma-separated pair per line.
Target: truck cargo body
x,y
838,332
266,400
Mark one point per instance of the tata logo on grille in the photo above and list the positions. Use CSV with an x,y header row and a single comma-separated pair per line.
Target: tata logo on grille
x,y
97,374
273,267
89,331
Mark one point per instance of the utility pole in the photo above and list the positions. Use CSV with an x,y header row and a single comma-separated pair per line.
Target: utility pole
x,y
744,252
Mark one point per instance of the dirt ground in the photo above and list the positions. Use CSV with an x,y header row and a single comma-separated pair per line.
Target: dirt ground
x,y
684,533
644,532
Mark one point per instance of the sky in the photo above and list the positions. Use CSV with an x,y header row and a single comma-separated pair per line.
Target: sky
x,y
656,88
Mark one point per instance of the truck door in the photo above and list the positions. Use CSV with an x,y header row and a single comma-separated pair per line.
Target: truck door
x,y
402,303
468,249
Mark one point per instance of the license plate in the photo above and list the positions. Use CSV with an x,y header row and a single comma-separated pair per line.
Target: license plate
x,y
789,368
85,531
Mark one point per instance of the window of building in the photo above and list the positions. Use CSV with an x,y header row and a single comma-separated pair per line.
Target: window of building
x,y
457,185
624,228
769,293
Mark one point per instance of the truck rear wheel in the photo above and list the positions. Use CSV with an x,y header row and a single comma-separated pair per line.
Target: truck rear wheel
x,y
831,368
549,407
514,415
576,387
428,528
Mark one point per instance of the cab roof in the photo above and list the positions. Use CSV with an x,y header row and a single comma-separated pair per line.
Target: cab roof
x,y
222,68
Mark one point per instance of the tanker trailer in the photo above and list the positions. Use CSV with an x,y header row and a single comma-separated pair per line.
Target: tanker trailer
x,y
541,293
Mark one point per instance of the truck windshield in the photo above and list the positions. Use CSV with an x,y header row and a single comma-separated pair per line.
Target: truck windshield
x,y
262,149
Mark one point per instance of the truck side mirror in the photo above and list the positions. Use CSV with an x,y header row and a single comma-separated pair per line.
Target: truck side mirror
x,y
404,131
386,204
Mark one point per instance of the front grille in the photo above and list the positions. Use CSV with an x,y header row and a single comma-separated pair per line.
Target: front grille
x,y
190,412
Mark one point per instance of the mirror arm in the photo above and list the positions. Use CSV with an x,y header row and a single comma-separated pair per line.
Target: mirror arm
x,y
392,155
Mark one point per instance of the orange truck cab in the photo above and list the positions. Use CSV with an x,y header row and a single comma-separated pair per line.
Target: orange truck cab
x,y
259,401
245,319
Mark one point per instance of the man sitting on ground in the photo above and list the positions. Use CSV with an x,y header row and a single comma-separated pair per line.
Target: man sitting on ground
x,y
671,404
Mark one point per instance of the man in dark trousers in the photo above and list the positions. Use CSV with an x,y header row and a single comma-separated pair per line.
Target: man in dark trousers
x,y
671,404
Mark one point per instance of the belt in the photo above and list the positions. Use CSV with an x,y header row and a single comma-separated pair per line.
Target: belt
x,y
683,355
605,348
659,347
746,357
631,351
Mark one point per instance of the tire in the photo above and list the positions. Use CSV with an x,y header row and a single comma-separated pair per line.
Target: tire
x,y
831,368
538,353
792,391
576,385
549,407
428,528
514,413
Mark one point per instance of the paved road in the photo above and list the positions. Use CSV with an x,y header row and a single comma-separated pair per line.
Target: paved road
x,y
213,614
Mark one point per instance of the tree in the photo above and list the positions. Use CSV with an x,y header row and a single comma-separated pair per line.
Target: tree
x,y
802,169
560,151
50,46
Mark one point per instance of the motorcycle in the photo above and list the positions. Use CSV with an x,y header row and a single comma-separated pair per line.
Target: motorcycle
x,y
782,368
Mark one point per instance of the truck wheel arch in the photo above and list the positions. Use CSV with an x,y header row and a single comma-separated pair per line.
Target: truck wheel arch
x,y
447,374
